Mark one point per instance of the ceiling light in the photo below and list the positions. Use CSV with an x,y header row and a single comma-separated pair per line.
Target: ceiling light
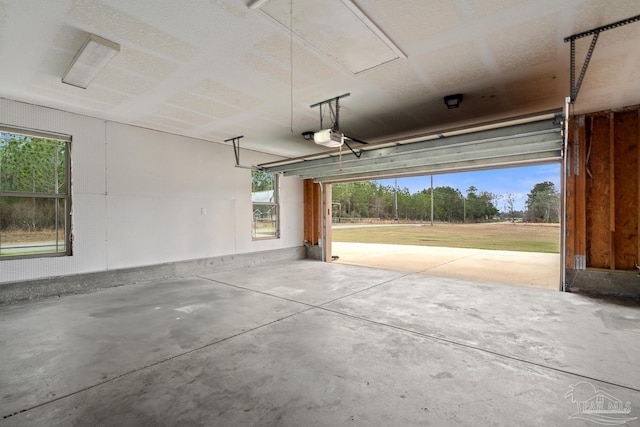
x,y
453,101
257,4
94,55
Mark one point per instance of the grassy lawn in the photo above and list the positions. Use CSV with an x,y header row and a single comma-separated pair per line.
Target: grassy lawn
x,y
10,239
505,236
24,236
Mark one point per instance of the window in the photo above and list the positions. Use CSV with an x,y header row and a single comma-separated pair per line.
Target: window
x,y
35,196
264,197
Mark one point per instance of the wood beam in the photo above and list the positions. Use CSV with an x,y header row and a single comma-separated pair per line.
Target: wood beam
x,y
597,193
580,222
612,192
626,189
312,211
570,206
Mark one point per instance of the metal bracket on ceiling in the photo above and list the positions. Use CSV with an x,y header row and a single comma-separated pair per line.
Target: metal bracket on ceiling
x,y
334,110
575,86
236,151
236,147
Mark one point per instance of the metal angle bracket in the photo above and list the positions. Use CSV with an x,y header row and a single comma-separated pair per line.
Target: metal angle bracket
x,y
236,151
335,113
358,154
575,86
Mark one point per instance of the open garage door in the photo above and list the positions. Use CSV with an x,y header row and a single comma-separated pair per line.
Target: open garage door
x,y
519,142
530,141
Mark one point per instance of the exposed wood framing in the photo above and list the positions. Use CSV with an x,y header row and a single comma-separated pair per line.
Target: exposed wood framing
x,y
580,201
597,196
612,193
312,212
570,207
576,192
626,190
603,201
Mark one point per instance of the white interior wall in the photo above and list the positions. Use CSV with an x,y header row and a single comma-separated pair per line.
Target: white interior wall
x,y
143,197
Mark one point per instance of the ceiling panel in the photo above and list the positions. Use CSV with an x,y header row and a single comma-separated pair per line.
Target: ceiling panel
x,y
414,21
488,8
469,66
99,17
534,90
145,64
219,91
400,83
203,105
338,29
182,114
215,69
525,44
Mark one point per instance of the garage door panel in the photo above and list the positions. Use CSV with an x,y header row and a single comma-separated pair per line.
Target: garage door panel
x,y
438,169
524,143
490,153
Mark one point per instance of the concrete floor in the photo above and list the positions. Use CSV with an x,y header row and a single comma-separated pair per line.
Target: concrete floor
x,y
311,343
530,269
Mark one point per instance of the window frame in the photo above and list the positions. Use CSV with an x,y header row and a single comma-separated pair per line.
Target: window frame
x,y
65,197
275,204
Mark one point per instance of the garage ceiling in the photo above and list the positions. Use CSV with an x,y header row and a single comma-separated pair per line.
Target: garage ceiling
x,y
215,69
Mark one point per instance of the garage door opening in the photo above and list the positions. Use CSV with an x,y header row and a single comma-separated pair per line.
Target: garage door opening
x,y
499,225
518,143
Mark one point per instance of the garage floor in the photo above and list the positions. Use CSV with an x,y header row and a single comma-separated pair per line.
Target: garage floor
x,y
310,343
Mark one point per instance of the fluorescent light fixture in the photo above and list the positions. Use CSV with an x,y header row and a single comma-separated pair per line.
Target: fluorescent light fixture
x,y
328,138
257,4
92,57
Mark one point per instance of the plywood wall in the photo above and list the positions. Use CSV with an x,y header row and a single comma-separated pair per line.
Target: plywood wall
x,y
603,190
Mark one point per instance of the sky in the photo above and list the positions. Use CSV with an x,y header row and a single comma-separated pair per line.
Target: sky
x,y
519,181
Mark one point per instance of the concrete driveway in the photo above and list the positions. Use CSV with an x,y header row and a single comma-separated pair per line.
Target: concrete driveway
x,y
531,269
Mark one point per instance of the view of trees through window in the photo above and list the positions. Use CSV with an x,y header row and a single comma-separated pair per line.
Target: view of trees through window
x,y
368,199
34,195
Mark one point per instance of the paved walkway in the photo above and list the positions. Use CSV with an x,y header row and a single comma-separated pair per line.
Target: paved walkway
x,y
507,267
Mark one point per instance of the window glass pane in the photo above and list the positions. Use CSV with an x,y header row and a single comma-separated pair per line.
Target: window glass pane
x,y
32,165
264,195
265,221
32,225
34,187
263,185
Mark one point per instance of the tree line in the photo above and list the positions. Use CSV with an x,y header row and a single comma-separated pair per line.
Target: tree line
x,y
31,166
368,199
543,203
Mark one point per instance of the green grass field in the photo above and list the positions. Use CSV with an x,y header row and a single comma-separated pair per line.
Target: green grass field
x,y
504,236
